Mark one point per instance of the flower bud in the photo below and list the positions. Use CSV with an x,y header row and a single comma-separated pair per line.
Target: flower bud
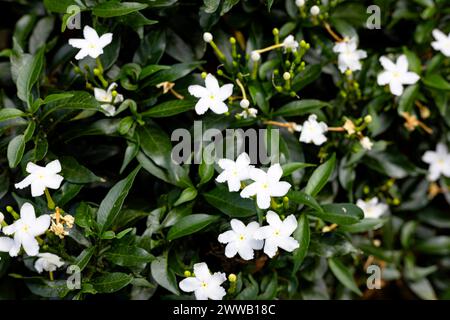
x,y
207,37
348,72
9,209
204,74
368,119
97,71
275,31
114,93
244,103
220,72
286,76
315,10
255,56
232,277
232,40
187,273
299,3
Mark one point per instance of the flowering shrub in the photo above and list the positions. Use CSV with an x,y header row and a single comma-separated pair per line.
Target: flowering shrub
x,y
225,149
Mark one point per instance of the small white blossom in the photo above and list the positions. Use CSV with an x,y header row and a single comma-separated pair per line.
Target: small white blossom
x,y
372,208
442,42
278,234
315,10
92,45
366,143
241,240
212,96
439,162
349,56
266,185
289,43
313,131
255,56
25,231
41,177
299,3
234,171
47,262
207,37
204,285
396,74
107,99
248,113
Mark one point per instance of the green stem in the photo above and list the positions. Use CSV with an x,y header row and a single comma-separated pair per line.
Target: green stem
x,y
50,202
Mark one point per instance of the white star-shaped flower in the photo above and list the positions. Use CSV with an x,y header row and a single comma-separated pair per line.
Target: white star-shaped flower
x,y
349,56
92,45
234,171
41,177
290,44
366,143
266,185
372,208
204,284
25,231
47,262
442,42
439,162
313,131
241,240
212,96
396,74
107,99
278,234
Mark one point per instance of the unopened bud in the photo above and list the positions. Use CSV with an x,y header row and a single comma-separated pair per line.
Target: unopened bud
x,y
207,37
244,103
204,74
368,119
286,76
232,277
255,56
187,273
315,10
97,71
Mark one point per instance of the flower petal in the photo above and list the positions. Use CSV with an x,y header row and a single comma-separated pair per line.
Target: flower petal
x,y
40,225
90,34
198,91
189,284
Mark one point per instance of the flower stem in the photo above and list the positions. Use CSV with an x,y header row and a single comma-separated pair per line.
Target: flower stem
x,y
241,86
50,202
219,53
332,33
275,46
50,273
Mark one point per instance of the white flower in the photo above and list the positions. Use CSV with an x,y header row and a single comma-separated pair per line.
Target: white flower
x,y
204,285
396,74
266,185
234,171
289,43
313,131
439,162
278,234
207,37
372,208
92,45
48,262
249,113
240,239
41,177
366,143
349,56
107,99
299,3
211,96
442,42
315,10
25,231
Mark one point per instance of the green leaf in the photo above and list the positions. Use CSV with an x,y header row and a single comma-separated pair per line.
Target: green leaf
x,y
116,9
320,176
48,288
344,275
300,197
111,282
28,75
16,147
78,100
112,204
300,107
10,113
230,203
127,256
74,172
436,81
439,245
175,72
162,275
169,108
307,76
364,225
406,101
302,235
85,256
189,225
340,213
59,6
289,168
187,194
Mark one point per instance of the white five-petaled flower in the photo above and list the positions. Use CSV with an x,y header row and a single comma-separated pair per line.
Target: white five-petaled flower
x,y
47,262
25,231
266,185
241,240
92,45
107,98
366,143
41,177
313,131
349,56
278,234
234,171
372,208
439,162
204,285
212,96
396,74
442,42
290,44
